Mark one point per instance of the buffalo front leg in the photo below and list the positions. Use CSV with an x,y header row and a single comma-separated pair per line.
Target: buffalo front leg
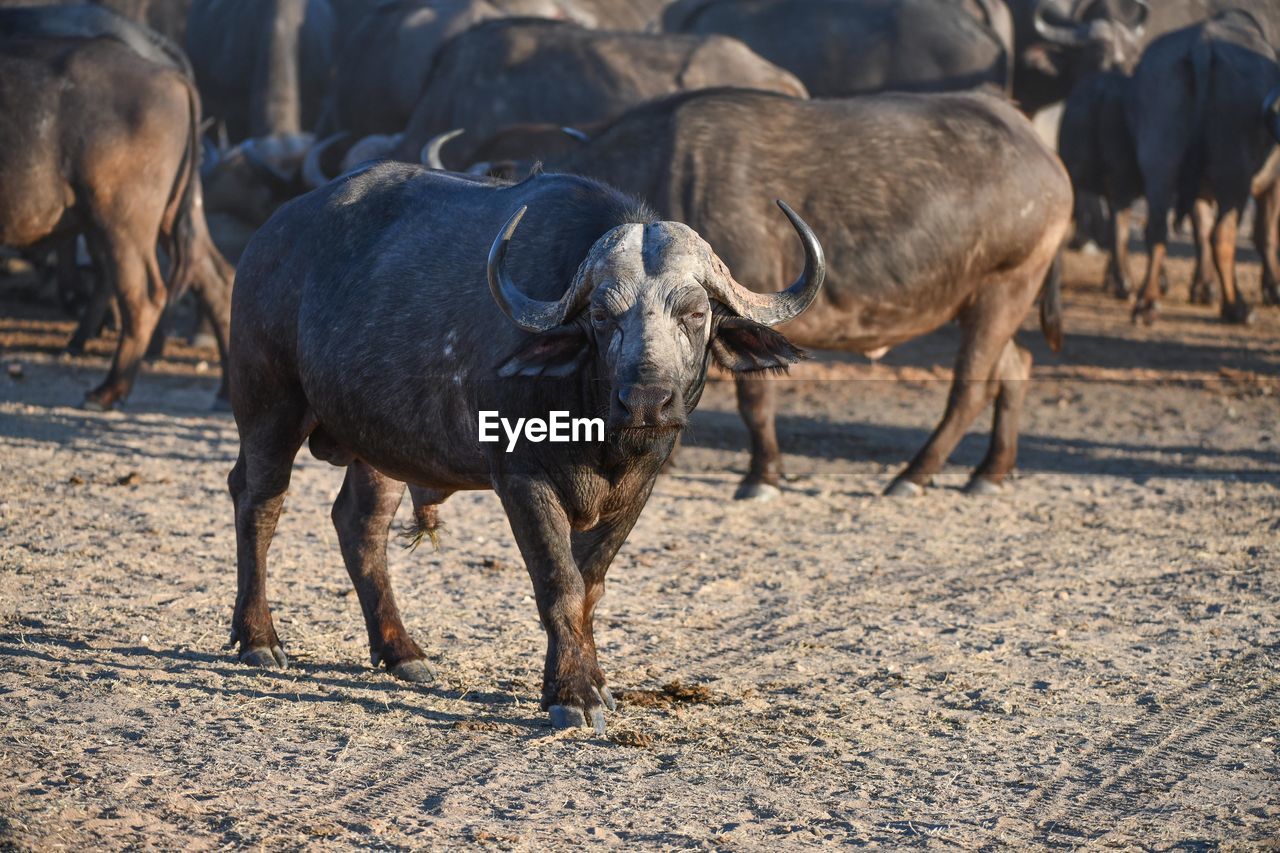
x,y
542,532
362,515
594,551
1012,374
758,405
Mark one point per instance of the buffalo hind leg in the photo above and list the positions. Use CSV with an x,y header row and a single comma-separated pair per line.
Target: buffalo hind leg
x,y
1266,232
1234,307
1012,373
362,515
1202,281
987,327
758,405
269,441
134,273
1116,279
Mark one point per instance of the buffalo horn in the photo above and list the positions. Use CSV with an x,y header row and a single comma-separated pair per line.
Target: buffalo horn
x,y
312,173
430,155
772,309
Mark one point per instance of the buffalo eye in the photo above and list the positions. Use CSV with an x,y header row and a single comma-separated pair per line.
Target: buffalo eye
x,y
600,318
693,320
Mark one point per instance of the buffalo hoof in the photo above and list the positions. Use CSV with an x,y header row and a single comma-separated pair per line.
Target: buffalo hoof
x,y
759,492
901,488
415,671
983,486
1117,286
1238,313
265,658
1144,311
94,404
1270,295
1201,293
569,717
607,698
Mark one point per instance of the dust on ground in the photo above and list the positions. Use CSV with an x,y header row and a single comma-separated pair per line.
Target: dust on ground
x,y
1089,658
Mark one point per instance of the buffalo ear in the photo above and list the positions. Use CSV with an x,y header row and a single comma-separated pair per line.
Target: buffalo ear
x,y
556,352
746,347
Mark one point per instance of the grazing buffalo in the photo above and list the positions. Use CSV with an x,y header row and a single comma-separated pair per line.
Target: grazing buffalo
x,y
1196,110
95,139
508,72
933,208
263,65
840,48
363,324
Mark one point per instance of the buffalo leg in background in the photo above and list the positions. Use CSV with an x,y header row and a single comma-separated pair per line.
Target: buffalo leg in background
x,y
989,366
362,515
1202,280
758,405
1266,233
1010,379
1225,230
134,272
1116,278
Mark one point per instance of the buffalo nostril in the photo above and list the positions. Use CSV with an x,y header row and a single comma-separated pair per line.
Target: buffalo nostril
x,y
645,403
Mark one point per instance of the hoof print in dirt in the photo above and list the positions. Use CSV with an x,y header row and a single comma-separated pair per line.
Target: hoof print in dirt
x,y
758,492
415,671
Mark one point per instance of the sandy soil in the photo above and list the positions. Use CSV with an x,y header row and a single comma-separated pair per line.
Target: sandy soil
x,y
1091,657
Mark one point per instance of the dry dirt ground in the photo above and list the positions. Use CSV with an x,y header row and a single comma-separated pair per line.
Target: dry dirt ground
x,y
1089,658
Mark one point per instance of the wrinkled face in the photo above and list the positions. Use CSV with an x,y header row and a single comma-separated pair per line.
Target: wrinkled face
x,y
651,326
651,319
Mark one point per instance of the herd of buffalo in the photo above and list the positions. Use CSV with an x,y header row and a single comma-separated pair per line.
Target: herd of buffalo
x,y
434,208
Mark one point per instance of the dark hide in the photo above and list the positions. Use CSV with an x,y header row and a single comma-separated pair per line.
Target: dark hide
x,y
363,324
96,140
839,48
517,71
931,209
1195,109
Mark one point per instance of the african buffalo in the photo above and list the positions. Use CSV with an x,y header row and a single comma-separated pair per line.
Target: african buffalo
x,y
932,207
263,65
841,47
362,323
96,139
1196,111
508,72
1096,146
387,58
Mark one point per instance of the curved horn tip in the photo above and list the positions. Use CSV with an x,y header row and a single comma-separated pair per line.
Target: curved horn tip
x,y
429,156
819,254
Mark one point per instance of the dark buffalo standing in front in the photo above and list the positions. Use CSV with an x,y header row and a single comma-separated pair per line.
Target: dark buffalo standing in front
x,y
932,208
1196,108
525,70
95,139
363,324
